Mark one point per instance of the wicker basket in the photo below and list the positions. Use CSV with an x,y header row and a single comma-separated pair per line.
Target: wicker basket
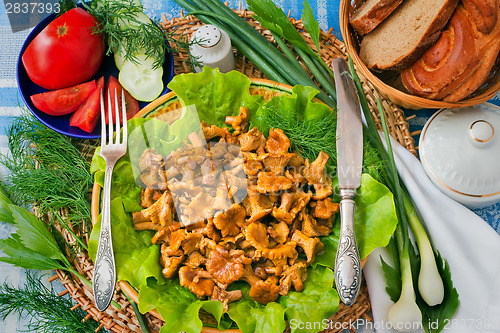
x,y
124,320
389,83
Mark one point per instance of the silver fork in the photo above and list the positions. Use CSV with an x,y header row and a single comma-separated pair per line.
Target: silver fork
x,y
104,278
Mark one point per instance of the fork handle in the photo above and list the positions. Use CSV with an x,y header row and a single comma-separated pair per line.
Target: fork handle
x,y
104,277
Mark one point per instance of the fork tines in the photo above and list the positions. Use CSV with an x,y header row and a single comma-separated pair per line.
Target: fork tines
x,y
123,119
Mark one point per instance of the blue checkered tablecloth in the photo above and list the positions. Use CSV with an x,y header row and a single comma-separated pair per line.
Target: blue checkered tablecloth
x,y
326,11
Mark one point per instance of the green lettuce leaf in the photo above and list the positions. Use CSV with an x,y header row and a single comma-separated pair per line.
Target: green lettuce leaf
x,y
317,302
123,184
136,258
177,306
214,94
308,310
300,104
251,316
157,134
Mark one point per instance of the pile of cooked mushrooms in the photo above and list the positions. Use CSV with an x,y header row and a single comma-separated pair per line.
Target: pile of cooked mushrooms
x,y
230,206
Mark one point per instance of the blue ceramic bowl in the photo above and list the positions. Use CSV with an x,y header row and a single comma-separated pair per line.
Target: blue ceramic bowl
x,y
61,123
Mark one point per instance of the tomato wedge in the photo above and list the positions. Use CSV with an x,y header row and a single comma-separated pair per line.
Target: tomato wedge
x,y
66,52
88,113
63,101
131,104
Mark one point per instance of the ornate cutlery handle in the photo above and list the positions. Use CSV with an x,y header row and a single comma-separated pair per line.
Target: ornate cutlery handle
x,y
347,262
104,268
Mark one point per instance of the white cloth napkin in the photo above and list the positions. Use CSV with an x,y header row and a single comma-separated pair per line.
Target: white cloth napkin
x,y
469,244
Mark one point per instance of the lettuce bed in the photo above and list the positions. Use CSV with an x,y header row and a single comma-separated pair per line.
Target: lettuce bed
x,y
138,261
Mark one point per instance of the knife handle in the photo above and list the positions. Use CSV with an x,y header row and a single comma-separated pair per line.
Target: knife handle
x,y
347,262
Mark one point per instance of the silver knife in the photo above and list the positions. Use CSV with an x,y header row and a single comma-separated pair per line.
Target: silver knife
x,y
349,165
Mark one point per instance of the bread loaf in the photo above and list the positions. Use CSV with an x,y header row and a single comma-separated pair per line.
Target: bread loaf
x,y
460,61
406,34
371,13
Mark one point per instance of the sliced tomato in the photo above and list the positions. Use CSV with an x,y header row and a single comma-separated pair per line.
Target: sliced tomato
x,y
88,113
63,101
131,104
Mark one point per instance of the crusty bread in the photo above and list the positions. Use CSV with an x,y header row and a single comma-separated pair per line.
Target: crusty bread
x,y
462,58
371,13
406,34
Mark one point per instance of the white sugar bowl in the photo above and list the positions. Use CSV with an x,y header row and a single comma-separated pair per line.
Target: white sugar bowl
x,y
460,152
212,47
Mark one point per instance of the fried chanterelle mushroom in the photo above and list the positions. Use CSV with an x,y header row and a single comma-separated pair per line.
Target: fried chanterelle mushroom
x,y
234,206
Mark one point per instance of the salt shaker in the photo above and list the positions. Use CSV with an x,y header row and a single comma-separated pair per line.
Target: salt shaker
x,y
212,47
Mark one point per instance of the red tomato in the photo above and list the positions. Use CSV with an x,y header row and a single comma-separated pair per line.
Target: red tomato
x,y
131,104
63,101
66,52
87,115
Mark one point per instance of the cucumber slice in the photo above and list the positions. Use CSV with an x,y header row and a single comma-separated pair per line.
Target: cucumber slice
x,y
140,79
135,21
130,23
119,57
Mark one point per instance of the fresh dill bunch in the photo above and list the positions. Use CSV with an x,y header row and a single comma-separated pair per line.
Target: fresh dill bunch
x,y
310,137
115,18
48,312
47,169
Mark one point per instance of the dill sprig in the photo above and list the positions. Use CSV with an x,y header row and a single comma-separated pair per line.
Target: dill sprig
x,y
48,311
310,137
47,170
148,38
307,137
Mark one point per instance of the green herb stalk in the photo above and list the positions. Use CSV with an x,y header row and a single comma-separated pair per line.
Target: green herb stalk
x,y
48,170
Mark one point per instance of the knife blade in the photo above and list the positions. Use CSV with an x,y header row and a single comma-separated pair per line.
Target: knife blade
x,y
349,166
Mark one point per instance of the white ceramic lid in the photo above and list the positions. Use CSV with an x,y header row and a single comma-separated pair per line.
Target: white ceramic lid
x,y
460,152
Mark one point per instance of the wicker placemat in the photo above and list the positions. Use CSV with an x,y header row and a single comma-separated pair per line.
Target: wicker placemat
x,y
124,319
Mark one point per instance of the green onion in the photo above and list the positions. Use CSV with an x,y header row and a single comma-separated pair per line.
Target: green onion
x,y
284,48
292,75
326,83
430,284
405,310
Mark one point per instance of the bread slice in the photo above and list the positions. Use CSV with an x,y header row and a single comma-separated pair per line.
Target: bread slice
x,y
371,13
459,62
406,34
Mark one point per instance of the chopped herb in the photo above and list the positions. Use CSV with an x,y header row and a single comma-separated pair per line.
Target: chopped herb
x,y
48,311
